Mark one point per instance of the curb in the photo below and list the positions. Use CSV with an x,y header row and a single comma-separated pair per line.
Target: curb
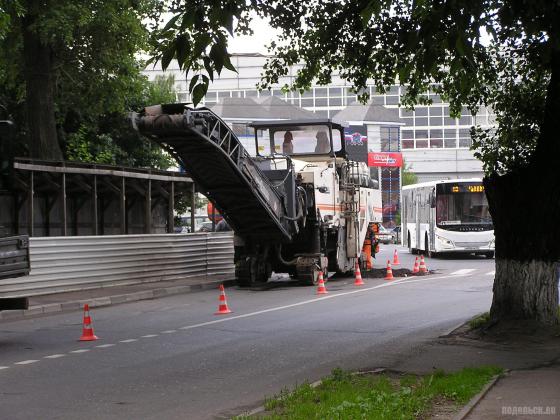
x,y
453,329
466,410
55,308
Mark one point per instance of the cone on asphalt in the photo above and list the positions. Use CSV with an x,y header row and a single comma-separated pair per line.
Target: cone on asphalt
x,y
321,289
423,269
358,281
396,258
416,268
389,275
87,330
223,306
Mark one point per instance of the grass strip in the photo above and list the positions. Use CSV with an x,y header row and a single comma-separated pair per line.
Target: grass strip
x,y
343,395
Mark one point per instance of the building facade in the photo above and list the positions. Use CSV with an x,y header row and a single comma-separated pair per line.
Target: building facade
x,y
434,145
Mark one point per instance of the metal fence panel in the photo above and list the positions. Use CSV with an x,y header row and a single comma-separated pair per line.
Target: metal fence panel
x,y
71,263
220,254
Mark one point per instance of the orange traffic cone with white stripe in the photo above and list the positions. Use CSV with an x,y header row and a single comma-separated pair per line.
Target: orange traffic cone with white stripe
x,y
396,258
321,289
416,267
222,307
389,275
422,269
358,281
87,330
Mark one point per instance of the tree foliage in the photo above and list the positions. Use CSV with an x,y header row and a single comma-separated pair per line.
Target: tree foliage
x,y
408,177
96,77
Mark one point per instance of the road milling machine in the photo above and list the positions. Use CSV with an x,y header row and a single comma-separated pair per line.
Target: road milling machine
x,y
298,206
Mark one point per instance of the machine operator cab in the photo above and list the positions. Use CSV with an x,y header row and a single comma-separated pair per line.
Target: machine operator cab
x,y
309,140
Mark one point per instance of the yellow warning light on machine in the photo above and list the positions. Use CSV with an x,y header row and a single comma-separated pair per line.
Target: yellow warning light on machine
x,y
455,188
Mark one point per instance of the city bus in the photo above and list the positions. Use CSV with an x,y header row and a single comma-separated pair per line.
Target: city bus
x,y
449,216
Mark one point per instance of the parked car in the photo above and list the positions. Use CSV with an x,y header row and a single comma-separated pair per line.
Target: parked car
x,y
386,236
182,229
205,227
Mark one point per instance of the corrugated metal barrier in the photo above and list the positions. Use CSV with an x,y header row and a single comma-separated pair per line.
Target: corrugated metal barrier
x,y
60,264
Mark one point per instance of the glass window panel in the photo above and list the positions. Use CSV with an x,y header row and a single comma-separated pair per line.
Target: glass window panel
x,y
392,100
436,143
421,111
321,102
393,90
436,121
306,102
421,134
307,94
464,142
436,134
224,94
320,92
450,133
464,132
405,113
421,144
335,101
251,93
408,144
465,120
421,121
407,134
384,133
449,121
450,143
335,92
436,111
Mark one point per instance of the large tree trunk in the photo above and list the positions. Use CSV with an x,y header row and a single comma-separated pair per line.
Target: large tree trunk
x,y
42,135
525,208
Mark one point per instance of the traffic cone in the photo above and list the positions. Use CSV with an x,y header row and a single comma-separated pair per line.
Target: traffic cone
x,y
358,281
416,267
389,275
423,269
321,290
87,330
396,258
222,307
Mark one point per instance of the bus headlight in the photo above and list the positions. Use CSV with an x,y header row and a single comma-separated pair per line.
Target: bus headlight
x,y
492,244
445,242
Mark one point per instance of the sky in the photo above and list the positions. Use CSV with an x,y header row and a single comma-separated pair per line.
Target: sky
x,y
263,35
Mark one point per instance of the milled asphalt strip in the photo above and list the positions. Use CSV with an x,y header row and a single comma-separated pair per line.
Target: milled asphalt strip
x,y
319,299
251,314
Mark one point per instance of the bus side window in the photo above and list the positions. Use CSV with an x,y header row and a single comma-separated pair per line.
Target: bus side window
x,y
433,199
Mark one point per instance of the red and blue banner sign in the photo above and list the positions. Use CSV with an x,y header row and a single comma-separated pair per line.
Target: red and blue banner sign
x,y
385,159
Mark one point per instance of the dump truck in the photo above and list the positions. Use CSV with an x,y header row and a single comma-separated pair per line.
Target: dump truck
x,y
297,205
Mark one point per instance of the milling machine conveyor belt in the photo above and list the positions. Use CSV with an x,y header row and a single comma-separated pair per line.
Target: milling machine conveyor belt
x,y
220,166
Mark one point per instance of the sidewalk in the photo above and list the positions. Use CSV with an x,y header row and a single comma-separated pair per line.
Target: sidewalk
x,y
72,301
521,394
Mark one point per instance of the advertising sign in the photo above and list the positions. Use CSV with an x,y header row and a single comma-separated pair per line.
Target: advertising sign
x,y
385,159
355,139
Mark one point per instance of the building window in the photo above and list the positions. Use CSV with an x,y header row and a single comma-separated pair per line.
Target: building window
x,y
421,139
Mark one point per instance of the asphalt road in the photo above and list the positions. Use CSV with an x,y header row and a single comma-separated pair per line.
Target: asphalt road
x,y
172,358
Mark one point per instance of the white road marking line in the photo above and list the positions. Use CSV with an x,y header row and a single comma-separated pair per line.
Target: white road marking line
x,y
463,271
54,356
4,367
130,340
79,351
26,362
150,335
318,299
169,332
103,346
491,273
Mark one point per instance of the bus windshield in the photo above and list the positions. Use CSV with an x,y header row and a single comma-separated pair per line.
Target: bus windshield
x,y
463,204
